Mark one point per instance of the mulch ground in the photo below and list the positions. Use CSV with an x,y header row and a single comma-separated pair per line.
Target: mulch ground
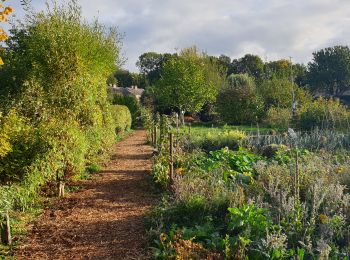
x,y
103,220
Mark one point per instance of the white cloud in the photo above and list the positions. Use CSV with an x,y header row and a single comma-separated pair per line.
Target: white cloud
x,y
271,28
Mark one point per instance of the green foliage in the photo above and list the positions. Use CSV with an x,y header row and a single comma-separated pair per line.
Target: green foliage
x,y
237,204
237,166
151,64
56,118
238,102
184,83
323,114
93,168
217,140
111,81
279,93
329,71
124,78
249,64
280,69
278,117
133,105
249,221
160,172
122,118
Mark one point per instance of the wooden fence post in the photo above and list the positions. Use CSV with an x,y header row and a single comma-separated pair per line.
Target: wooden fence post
x,y
171,151
5,229
61,189
155,136
296,176
152,136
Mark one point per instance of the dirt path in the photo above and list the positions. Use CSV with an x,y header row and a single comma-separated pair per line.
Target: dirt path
x,y
104,220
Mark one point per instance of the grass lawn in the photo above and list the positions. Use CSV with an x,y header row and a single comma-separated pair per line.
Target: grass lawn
x,y
204,128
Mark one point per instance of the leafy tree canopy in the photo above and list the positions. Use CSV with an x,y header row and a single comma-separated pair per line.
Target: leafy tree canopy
x,y
279,93
184,84
329,71
150,65
249,64
124,78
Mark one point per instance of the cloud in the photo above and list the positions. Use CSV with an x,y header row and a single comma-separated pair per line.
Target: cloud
x,y
270,28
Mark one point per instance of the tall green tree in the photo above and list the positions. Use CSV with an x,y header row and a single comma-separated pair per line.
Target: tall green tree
x,y
279,93
249,64
329,71
184,84
225,61
124,78
150,65
279,69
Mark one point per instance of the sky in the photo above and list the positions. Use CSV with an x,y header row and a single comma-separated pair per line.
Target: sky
x,y
272,29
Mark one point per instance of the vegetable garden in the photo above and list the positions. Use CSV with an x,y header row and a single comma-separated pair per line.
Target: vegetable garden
x,y
255,200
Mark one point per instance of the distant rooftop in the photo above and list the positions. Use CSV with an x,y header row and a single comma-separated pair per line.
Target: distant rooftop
x,y
132,91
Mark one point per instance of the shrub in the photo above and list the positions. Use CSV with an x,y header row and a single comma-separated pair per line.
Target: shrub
x,y
56,117
132,103
272,150
278,117
216,140
238,103
324,114
122,118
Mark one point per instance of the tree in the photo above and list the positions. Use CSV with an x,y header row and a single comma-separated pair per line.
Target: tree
x,y
279,93
249,64
225,60
184,84
329,71
150,64
124,78
284,69
280,69
238,103
300,74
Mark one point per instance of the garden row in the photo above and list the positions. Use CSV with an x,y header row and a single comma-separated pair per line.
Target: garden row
x,y
257,202
56,123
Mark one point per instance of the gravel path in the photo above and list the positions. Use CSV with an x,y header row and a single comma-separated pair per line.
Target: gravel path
x,y
104,220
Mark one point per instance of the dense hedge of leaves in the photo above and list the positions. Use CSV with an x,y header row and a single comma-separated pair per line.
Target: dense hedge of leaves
x,y
122,117
132,104
56,118
324,114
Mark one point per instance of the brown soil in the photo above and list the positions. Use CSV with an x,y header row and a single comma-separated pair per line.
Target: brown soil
x,y
104,220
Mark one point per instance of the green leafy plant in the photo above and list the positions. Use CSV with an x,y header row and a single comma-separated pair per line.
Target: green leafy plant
x,y
122,119
132,104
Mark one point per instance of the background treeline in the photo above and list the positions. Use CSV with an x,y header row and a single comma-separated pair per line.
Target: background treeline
x,y
249,90
56,119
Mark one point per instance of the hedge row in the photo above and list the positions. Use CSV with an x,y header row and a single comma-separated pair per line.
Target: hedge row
x,y
56,119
